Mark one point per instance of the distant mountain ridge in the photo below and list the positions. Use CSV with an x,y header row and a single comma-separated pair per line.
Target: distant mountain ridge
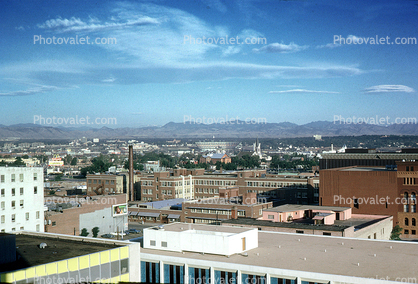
x,y
226,130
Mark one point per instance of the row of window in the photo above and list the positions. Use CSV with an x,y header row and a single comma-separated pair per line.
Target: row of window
x,y
12,204
215,182
275,184
95,181
13,191
215,211
13,217
13,177
409,181
413,222
207,190
150,273
38,228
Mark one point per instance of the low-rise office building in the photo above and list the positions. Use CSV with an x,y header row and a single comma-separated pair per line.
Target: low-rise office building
x,y
56,259
175,253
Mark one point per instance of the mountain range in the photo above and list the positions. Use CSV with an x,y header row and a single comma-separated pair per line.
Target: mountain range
x,y
186,130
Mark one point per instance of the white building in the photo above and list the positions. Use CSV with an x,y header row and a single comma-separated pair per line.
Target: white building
x,y
21,199
192,253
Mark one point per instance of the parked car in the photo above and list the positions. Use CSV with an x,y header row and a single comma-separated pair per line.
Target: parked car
x,y
133,231
108,236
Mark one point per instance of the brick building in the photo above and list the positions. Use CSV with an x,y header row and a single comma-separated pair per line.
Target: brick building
x,y
365,157
214,158
407,182
367,190
107,184
195,184
375,190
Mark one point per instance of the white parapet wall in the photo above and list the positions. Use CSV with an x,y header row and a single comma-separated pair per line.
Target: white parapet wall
x,y
221,240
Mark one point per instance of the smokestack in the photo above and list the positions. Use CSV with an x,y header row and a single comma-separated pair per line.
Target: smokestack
x,y
131,173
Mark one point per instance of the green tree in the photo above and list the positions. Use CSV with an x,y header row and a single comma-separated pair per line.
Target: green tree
x,y
99,165
84,232
396,232
74,161
95,232
18,162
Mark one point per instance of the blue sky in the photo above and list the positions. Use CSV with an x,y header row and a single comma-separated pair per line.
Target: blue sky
x,y
153,75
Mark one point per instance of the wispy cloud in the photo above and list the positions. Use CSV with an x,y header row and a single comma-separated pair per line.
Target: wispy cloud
x,y
389,89
30,91
109,80
329,45
20,28
281,48
302,91
76,24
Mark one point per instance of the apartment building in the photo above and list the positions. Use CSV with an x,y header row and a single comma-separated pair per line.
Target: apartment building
x,y
21,199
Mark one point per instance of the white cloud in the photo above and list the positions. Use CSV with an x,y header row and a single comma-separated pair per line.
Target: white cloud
x,y
30,91
109,80
76,24
301,91
281,48
230,50
389,89
20,28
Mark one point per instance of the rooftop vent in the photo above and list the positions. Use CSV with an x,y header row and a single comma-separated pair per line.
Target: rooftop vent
x,y
42,245
160,227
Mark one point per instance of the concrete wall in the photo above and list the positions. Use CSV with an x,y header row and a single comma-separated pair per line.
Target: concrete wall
x,y
69,220
380,230
104,220
200,241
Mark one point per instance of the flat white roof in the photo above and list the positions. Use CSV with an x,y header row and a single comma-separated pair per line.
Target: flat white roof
x,y
320,254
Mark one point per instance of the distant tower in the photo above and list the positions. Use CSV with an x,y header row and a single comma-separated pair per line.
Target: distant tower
x,y
257,148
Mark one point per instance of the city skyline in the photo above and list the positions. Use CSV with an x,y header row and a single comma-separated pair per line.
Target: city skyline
x,y
163,61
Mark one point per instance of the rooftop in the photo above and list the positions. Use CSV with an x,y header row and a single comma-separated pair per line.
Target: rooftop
x,y
319,254
293,225
58,247
295,207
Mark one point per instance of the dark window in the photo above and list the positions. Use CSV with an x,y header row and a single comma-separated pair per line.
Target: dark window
x,y
356,204
299,232
406,222
406,232
326,234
